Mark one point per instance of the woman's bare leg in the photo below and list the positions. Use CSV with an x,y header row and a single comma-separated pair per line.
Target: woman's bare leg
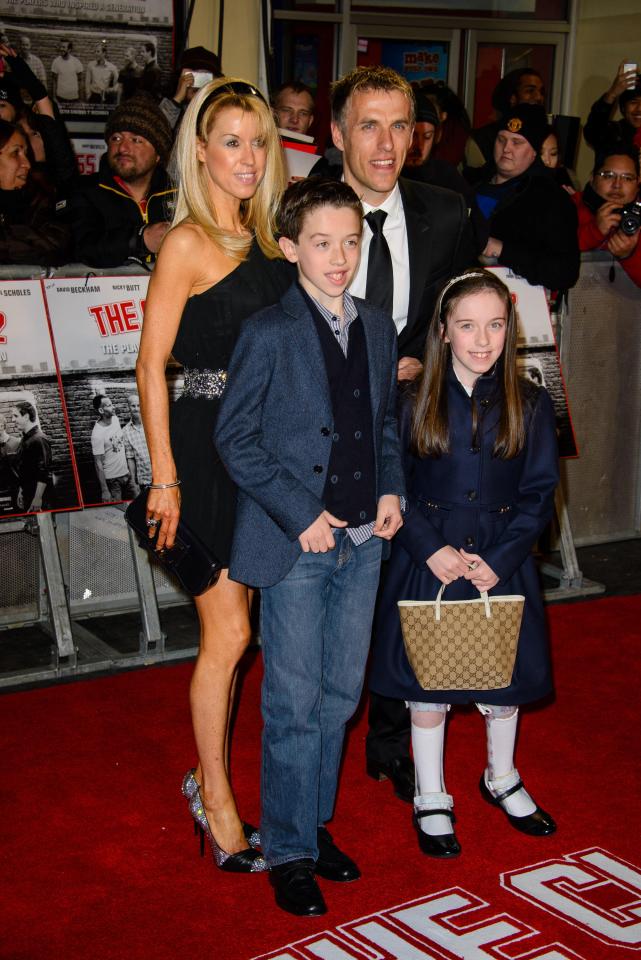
x,y
225,633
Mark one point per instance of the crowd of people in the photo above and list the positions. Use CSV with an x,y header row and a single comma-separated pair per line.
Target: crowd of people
x,y
505,171
311,320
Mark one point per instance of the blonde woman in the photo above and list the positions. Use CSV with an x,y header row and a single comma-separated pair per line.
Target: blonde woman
x,y
218,264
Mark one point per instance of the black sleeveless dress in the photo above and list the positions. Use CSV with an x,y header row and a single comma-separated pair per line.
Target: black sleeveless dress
x,y
206,337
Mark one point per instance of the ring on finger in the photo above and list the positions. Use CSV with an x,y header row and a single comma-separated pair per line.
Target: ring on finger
x,y
152,522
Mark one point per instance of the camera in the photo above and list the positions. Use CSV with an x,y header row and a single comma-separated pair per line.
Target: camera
x,y
631,218
201,77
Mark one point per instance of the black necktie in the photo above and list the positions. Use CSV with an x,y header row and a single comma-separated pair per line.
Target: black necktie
x,y
380,277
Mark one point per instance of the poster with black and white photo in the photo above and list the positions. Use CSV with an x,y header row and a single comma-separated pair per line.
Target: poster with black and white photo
x,y
94,56
36,463
537,354
96,325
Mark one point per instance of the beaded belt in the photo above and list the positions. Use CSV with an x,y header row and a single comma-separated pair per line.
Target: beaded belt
x,y
204,383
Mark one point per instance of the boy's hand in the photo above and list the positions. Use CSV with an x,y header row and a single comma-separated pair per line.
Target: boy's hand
x,y
318,538
388,517
478,572
447,565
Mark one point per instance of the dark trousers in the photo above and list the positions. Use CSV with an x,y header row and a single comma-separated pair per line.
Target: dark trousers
x,y
388,736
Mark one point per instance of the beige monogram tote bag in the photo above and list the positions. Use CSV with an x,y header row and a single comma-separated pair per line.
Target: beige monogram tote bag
x,y
462,644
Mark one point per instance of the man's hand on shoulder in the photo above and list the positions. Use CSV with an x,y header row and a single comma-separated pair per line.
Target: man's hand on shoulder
x,y
388,517
409,368
154,234
319,537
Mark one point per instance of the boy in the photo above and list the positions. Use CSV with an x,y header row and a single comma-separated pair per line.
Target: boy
x,y
307,430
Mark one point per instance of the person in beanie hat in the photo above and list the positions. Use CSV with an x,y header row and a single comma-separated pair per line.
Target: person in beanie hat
x,y
600,130
123,212
140,115
531,221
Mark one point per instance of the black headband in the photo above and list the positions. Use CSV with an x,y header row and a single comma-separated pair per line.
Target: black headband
x,y
234,86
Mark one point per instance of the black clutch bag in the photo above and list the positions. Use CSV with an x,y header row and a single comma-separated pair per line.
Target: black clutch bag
x,y
189,560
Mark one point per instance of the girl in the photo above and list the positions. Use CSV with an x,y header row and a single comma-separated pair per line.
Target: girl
x,y
218,264
551,158
481,466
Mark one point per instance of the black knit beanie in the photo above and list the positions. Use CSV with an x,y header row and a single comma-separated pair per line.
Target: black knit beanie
x,y
529,120
140,115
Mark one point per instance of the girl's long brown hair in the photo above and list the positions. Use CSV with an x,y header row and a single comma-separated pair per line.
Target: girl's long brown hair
x,y
430,429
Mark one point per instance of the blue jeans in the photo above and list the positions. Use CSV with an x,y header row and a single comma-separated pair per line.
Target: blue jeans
x,y
316,627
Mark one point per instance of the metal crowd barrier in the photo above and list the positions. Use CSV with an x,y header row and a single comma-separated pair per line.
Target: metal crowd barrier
x,y
58,570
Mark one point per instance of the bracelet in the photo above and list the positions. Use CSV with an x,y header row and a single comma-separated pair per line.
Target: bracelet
x,y
164,486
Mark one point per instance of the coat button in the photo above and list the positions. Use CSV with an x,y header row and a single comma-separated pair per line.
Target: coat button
x,y
469,541
335,437
334,478
471,494
318,468
474,449
358,435
357,475
485,402
357,393
325,431
362,514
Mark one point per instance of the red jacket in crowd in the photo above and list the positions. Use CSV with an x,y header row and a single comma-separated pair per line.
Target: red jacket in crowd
x,y
591,238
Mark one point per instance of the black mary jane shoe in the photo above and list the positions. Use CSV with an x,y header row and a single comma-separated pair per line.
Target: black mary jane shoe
x,y
332,863
296,889
399,771
444,845
537,824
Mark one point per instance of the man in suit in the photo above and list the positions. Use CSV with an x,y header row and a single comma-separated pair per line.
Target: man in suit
x,y
425,239
307,429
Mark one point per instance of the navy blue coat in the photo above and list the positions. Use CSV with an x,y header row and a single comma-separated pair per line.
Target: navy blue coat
x,y
496,508
275,425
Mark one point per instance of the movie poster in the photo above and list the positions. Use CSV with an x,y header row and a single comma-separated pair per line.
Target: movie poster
x,y
36,463
90,55
538,357
96,324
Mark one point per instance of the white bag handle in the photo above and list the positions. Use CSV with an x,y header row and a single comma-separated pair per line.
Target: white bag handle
x,y
484,598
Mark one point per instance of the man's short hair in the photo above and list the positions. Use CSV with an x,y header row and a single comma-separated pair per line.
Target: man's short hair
x,y
303,197
617,149
295,85
372,78
23,406
97,401
508,87
149,46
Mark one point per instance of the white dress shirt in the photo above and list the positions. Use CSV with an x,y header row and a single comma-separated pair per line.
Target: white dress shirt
x,y
395,232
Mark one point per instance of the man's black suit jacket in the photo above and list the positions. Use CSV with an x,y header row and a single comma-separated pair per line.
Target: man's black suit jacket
x,y
440,245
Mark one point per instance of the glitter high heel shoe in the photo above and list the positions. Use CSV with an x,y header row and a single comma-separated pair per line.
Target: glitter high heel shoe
x,y
189,788
245,861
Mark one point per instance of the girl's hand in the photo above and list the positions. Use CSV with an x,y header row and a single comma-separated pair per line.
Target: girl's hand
x,y
478,572
447,565
164,506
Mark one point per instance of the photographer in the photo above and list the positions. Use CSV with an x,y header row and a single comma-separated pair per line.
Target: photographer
x,y
607,211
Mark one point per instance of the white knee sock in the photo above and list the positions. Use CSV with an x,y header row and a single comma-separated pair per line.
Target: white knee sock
x,y
427,746
499,776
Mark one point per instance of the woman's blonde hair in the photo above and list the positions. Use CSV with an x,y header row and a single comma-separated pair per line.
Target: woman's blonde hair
x,y
194,203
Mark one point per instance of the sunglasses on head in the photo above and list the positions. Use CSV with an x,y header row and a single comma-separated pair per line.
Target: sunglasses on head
x,y
234,86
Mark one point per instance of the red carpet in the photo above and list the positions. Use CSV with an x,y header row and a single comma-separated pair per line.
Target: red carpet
x,y
100,861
